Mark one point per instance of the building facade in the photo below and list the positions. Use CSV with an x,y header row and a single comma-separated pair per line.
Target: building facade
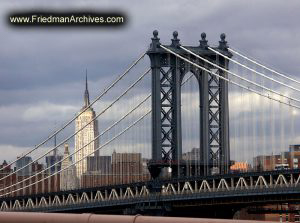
x,y
68,179
99,164
23,166
84,144
126,167
286,160
120,168
51,160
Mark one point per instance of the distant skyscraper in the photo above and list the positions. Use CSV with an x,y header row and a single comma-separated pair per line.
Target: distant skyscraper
x,y
68,181
22,162
51,160
86,135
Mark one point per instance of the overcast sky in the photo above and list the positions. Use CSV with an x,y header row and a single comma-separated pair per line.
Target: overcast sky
x,y
42,70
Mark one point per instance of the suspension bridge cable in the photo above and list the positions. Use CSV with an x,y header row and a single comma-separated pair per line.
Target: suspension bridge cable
x,y
69,122
103,111
228,80
267,68
67,157
105,144
238,76
259,73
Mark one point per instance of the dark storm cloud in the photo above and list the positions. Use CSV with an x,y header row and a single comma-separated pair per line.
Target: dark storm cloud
x,y
42,70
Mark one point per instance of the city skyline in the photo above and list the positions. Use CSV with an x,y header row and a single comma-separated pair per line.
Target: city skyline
x,y
246,109
35,87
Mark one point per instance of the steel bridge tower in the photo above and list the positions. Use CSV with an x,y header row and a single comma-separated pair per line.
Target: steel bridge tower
x,y
167,74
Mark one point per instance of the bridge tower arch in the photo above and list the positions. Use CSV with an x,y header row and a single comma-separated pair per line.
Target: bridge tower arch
x,y
167,75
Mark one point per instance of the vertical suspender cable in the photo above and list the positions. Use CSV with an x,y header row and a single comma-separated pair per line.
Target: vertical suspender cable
x,y
281,135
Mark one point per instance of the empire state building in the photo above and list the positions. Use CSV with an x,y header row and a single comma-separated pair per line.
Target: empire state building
x,y
86,135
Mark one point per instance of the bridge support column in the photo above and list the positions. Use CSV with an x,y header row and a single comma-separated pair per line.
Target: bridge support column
x,y
166,107
224,114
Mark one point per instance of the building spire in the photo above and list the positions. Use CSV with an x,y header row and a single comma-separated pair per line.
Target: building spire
x,y
66,149
86,93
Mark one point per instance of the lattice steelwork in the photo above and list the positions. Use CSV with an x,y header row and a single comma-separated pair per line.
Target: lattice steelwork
x,y
167,74
166,111
214,118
